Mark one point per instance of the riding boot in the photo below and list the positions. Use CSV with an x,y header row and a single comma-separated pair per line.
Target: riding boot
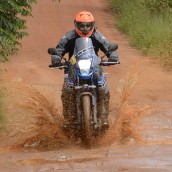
x,y
104,97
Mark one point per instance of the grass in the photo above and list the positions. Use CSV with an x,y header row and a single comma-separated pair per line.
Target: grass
x,y
148,31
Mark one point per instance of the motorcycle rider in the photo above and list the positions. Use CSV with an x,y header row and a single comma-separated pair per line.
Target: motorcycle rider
x,y
84,27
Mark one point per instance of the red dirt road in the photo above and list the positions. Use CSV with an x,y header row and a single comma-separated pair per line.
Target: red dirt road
x,y
140,135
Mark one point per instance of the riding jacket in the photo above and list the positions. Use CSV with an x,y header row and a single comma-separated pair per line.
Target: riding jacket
x,y
67,44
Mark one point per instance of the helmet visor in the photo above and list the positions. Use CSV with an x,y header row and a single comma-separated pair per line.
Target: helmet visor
x,y
85,27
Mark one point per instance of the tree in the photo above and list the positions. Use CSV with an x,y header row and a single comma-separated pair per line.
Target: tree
x,y
12,25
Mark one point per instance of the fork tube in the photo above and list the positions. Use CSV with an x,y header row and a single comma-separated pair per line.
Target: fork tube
x,y
78,105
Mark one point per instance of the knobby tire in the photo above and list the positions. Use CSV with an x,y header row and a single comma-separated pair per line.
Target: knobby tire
x,y
87,133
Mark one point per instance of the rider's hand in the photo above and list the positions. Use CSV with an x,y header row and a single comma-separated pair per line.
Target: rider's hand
x,y
113,57
55,60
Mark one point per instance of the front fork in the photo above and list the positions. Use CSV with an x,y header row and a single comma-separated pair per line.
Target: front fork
x,y
80,92
93,115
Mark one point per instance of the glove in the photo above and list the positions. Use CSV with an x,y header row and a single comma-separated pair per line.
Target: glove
x,y
113,57
55,60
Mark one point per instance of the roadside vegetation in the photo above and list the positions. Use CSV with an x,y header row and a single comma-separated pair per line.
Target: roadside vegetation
x,y
12,25
148,23
12,29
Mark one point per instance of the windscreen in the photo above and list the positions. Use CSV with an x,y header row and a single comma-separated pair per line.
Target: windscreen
x,y
84,48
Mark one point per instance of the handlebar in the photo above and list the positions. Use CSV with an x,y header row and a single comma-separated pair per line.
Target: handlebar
x,y
105,63
65,65
60,66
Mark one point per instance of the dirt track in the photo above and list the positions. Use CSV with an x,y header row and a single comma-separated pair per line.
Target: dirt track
x,y
139,140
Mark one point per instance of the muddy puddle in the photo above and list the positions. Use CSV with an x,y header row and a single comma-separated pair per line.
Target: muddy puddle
x,y
115,158
32,122
139,138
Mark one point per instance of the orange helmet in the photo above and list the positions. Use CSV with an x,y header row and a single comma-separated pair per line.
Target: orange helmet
x,y
84,23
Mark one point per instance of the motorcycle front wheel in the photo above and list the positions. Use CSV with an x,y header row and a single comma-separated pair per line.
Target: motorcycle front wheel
x,y
87,129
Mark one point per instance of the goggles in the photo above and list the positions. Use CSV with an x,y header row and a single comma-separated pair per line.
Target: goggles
x,y
82,25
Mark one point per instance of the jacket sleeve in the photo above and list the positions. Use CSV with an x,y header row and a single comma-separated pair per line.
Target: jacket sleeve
x,y
103,43
63,45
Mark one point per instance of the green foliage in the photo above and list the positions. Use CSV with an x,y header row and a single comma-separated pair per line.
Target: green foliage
x,y
148,24
158,6
12,25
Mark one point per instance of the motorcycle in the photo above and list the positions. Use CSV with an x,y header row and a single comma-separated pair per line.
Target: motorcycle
x,y
85,84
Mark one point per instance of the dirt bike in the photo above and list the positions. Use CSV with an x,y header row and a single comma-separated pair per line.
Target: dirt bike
x,y
85,86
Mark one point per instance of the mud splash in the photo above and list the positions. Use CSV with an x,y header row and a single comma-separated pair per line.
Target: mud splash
x,y
31,122
123,128
129,126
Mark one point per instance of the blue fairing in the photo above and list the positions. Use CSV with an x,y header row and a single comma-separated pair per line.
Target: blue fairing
x,y
84,50
68,82
85,77
102,80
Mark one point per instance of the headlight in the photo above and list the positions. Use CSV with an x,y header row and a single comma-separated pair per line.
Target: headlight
x,y
84,66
